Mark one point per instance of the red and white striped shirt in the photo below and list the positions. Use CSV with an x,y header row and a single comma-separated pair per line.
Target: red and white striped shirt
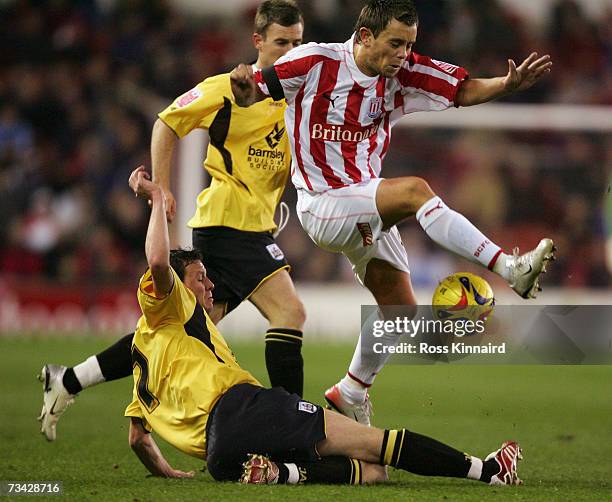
x,y
338,119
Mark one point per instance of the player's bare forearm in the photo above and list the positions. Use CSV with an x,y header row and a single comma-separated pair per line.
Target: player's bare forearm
x,y
163,141
475,91
157,244
149,454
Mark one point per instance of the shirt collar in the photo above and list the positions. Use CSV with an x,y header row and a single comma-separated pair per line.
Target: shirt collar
x,y
358,76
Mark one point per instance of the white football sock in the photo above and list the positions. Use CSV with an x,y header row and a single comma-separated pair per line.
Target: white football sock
x,y
365,365
475,471
352,391
500,267
294,474
88,372
454,232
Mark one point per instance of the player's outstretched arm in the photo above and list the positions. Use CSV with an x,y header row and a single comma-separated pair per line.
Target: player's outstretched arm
x,y
480,90
163,142
157,243
149,454
246,91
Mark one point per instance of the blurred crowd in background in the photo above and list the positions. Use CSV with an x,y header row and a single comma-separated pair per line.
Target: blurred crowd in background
x,y
80,87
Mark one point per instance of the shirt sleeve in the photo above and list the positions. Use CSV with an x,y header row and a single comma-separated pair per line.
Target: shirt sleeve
x,y
428,84
176,307
289,73
135,411
197,108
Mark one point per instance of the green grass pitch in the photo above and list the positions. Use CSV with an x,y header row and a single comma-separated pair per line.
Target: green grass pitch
x,y
562,416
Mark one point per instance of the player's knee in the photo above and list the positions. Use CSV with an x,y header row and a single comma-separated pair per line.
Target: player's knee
x,y
418,189
298,313
291,314
416,192
373,473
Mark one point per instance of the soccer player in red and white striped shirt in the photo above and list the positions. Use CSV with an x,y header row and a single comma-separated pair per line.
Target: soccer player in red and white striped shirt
x,y
343,100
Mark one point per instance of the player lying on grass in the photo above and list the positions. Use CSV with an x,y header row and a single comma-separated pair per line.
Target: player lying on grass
x,y
234,219
343,100
190,390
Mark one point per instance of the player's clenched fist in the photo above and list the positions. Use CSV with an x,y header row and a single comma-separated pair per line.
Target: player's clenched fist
x,y
141,184
244,88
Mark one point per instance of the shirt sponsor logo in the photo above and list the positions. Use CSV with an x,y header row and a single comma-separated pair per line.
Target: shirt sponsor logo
x,y
307,407
188,97
275,251
266,154
376,105
351,134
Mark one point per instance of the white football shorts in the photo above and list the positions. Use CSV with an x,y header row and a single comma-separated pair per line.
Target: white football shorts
x,y
346,220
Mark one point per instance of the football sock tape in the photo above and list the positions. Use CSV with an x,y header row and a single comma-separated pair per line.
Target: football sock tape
x,y
88,373
71,382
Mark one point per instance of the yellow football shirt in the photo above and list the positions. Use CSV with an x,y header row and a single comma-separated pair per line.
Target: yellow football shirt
x,y
248,155
182,366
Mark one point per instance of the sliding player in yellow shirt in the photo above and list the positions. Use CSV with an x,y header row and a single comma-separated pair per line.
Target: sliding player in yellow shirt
x,y
190,390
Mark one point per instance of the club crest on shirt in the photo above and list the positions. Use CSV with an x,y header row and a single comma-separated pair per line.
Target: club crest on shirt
x,y
376,106
188,97
275,251
274,137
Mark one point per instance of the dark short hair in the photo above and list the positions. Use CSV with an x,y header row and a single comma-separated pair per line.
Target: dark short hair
x,y
377,14
180,258
283,12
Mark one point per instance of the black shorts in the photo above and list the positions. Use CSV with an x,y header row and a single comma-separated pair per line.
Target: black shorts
x,y
251,419
237,262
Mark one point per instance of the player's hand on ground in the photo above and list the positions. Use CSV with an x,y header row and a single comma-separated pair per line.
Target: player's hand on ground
x,y
141,184
175,473
527,73
244,87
